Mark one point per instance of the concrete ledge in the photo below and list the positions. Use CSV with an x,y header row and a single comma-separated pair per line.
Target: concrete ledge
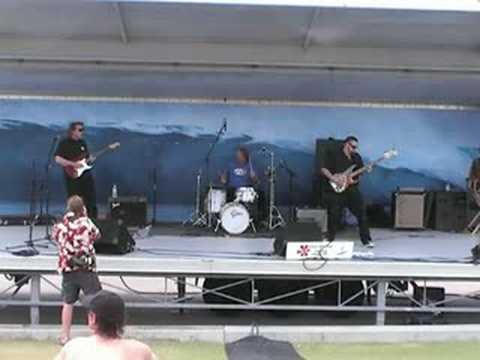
x,y
298,334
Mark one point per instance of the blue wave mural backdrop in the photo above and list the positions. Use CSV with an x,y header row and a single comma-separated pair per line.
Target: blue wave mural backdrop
x,y
436,147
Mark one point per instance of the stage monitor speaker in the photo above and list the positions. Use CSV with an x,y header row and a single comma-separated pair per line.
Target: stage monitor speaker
x,y
132,210
115,238
409,209
226,291
307,232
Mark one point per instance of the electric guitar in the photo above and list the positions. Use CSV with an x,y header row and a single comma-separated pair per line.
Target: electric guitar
x,y
349,174
85,164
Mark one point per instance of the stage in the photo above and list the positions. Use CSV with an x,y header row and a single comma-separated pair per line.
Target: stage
x,y
182,255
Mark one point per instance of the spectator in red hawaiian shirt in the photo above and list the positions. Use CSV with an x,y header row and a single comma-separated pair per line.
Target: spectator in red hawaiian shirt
x,y
75,236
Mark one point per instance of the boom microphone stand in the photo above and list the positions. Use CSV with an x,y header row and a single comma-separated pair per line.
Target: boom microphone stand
x,y
220,133
28,248
46,185
154,195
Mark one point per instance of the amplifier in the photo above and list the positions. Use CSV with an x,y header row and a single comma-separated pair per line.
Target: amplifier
x,y
409,209
450,210
313,215
132,210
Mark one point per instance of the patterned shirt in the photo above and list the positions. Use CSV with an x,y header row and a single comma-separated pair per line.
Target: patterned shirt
x,y
75,238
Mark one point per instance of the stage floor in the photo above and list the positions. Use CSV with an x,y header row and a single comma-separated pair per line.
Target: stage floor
x,y
170,240
175,253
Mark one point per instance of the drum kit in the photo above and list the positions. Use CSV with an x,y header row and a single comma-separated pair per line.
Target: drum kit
x,y
234,217
237,216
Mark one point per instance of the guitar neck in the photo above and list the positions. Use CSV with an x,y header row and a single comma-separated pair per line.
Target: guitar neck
x,y
364,168
101,151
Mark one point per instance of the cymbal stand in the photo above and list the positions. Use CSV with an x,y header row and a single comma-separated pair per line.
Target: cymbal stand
x,y
291,175
275,218
197,218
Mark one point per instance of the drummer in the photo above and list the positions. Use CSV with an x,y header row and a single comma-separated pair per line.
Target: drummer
x,y
240,173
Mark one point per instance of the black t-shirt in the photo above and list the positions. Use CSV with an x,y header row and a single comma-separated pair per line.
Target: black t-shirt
x,y
337,162
72,149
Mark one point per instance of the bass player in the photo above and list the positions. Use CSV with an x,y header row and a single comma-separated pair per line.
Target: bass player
x,y
337,160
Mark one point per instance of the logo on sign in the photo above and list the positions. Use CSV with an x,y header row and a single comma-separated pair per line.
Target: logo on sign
x,y
303,250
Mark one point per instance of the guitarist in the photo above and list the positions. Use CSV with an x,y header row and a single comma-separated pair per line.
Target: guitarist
x,y
71,149
337,160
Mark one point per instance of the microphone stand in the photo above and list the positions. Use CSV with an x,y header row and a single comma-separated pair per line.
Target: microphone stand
x,y
154,195
48,166
220,132
291,175
28,247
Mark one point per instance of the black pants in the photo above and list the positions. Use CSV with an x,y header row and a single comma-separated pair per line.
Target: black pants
x,y
353,200
84,187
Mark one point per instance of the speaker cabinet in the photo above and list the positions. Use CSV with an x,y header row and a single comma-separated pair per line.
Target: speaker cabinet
x,y
450,210
409,210
132,210
115,238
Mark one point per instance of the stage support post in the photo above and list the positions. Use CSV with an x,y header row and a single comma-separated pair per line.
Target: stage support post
x,y
381,302
35,299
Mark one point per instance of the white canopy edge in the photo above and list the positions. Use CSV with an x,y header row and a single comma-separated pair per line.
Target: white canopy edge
x,y
245,102
423,5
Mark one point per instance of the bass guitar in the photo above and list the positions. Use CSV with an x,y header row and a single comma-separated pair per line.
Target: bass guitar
x,y
86,164
347,176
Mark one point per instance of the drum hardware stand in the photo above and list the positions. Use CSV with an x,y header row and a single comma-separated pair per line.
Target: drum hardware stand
x,y
197,218
275,218
221,131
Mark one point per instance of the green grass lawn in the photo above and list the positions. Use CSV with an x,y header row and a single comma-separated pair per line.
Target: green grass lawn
x,y
20,350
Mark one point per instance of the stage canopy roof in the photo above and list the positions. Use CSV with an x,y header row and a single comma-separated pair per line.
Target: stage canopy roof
x,y
339,51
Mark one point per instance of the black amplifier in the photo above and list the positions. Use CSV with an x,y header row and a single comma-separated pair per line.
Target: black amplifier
x,y
132,210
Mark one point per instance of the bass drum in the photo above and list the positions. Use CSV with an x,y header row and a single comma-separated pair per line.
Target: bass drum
x,y
234,218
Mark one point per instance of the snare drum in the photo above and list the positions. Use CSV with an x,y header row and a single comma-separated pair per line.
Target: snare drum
x,y
215,200
246,195
234,218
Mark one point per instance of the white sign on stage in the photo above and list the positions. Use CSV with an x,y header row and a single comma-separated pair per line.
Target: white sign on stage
x,y
335,250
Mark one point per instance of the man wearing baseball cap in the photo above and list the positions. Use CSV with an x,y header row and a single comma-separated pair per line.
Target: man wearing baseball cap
x,y
106,320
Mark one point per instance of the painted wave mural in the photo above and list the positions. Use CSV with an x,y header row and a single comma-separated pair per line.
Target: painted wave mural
x,y
436,147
